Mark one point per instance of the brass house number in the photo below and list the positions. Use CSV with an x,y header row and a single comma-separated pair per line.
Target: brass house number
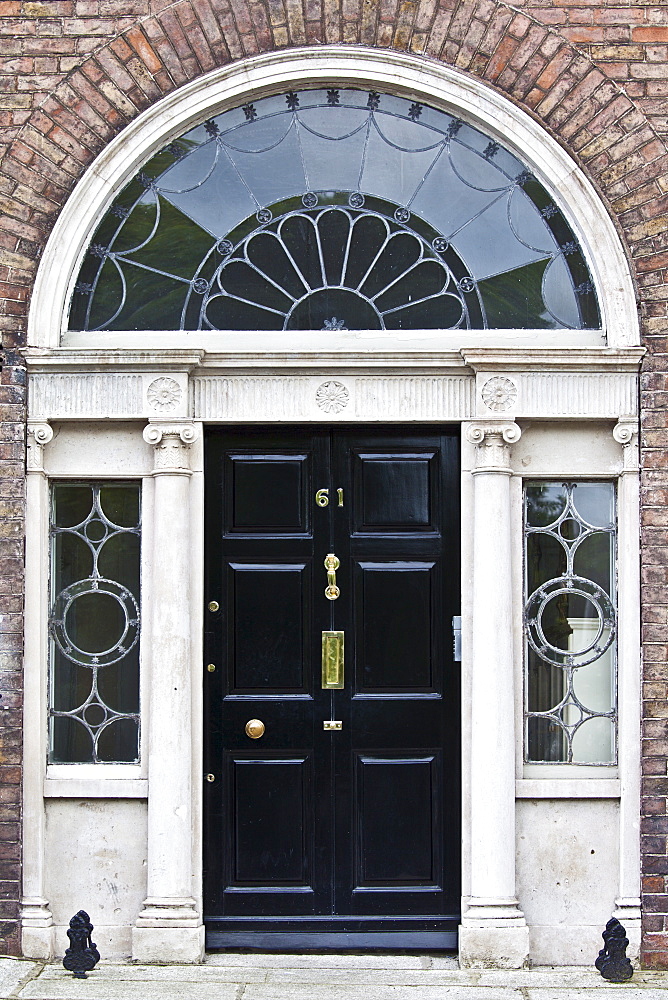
x,y
322,498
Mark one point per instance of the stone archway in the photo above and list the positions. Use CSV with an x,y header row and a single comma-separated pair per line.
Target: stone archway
x,y
528,62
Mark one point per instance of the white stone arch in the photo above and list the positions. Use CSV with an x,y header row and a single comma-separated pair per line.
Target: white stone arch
x,y
406,75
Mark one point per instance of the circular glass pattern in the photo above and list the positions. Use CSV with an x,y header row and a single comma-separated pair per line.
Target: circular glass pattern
x,y
95,600
548,603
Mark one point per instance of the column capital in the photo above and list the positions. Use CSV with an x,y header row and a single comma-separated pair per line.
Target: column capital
x,y
625,432
171,442
492,439
40,432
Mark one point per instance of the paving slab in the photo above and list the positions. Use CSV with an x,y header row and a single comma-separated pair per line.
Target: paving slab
x,y
560,978
383,993
98,988
329,961
626,990
12,972
248,976
162,974
370,977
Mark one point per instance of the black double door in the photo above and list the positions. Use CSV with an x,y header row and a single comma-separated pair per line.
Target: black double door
x,y
338,826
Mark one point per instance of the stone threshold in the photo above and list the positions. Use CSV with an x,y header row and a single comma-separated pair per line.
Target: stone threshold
x,y
250,976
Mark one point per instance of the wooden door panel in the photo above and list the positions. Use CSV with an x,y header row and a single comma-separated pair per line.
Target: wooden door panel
x,y
267,494
395,634
270,800
269,610
398,821
394,492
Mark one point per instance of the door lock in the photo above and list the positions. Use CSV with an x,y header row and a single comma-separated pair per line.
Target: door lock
x,y
332,724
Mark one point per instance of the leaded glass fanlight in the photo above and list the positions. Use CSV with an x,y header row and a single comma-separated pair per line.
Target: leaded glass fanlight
x,y
334,210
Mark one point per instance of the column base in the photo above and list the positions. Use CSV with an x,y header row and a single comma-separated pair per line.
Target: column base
x,y
627,911
37,930
493,935
168,931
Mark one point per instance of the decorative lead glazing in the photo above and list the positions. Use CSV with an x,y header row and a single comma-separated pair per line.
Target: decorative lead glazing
x,y
94,623
570,623
334,210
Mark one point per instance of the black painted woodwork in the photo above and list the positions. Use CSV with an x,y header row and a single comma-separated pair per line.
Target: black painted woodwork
x,y
332,839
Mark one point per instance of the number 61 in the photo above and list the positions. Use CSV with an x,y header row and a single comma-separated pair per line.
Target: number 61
x,y
322,497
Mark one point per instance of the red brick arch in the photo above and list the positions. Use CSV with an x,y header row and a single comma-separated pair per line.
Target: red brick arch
x,y
534,65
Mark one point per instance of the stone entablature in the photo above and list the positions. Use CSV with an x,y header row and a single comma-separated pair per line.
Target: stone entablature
x,y
543,383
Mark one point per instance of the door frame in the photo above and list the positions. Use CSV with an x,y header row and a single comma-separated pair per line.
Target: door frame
x,y
93,389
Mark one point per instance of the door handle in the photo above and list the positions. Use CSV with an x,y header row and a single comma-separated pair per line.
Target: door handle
x,y
254,728
332,563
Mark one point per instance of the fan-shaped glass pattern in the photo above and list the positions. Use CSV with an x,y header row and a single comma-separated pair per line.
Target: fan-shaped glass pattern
x,y
330,210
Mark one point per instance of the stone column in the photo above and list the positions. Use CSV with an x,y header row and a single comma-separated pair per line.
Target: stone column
x,y
37,931
169,928
493,931
627,905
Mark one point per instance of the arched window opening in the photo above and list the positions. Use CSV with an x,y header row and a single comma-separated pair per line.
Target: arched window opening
x,y
334,209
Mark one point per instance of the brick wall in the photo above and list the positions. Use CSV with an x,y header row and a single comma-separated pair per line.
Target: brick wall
x,y
74,72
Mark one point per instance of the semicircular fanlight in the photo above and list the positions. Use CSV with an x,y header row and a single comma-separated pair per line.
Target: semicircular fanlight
x,y
336,268
334,209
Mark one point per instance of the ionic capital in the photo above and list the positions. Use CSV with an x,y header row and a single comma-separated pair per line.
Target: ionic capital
x,y
39,435
171,446
625,432
493,439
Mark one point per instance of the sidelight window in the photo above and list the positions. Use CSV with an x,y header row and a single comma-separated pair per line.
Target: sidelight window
x,y
570,622
334,209
94,623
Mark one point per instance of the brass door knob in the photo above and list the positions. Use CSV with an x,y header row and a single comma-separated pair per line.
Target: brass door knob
x,y
255,729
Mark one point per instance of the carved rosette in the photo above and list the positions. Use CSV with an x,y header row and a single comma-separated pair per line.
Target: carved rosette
x,y
164,394
499,393
39,435
493,439
171,444
332,396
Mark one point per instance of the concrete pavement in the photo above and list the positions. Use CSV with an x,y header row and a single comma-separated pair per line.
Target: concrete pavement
x,y
234,976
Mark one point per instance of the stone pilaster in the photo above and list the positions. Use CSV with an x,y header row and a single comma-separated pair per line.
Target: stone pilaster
x,y
169,928
627,904
37,931
493,931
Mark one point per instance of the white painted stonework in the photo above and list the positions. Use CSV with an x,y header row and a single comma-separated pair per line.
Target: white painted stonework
x,y
530,404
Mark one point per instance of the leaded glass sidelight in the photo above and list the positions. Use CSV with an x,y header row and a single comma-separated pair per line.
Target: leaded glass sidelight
x,y
570,622
94,623
334,209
